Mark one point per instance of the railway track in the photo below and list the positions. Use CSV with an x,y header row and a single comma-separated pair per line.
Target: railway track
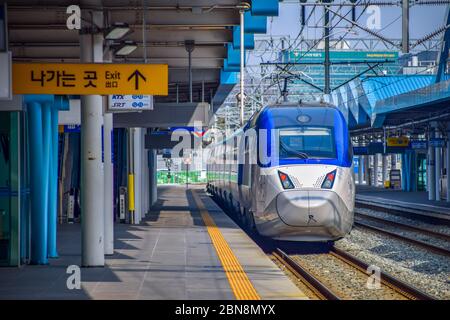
x,y
324,291
399,289
412,213
443,250
313,283
425,231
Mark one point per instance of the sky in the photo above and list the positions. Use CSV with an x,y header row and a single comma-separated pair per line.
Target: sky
x,y
423,20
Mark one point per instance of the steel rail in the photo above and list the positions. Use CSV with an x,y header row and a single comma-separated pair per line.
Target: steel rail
x,y
305,276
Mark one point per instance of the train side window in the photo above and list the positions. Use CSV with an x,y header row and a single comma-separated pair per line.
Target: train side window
x,y
247,164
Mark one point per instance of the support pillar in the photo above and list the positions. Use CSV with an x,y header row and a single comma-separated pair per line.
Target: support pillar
x,y
431,173
108,183
448,162
145,177
137,158
384,168
92,179
393,161
437,167
53,184
366,169
375,170
360,170
153,176
131,193
39,218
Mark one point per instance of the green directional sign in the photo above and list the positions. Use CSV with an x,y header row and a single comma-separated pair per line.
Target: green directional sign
x,y
341,56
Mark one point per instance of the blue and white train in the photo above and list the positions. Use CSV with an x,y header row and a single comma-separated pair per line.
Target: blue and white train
x,y
288,173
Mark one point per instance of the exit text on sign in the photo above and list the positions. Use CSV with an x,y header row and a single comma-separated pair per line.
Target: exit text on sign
x,y
93,78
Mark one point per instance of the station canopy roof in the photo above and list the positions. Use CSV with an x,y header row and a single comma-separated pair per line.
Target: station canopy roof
x,y
38,32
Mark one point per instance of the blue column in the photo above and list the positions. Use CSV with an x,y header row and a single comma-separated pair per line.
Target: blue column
x,y
38,176
53,184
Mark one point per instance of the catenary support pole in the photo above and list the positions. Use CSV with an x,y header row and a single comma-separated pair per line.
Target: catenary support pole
x,y
242,67
327,62
405,26
92,180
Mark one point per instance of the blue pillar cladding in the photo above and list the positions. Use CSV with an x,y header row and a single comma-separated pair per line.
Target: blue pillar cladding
x,y
233,56
265,7
43,141
228,77
53,184
249,39
230,68
254,24
38,178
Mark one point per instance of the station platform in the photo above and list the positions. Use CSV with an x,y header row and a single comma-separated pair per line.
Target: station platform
x,y
187,248
402,199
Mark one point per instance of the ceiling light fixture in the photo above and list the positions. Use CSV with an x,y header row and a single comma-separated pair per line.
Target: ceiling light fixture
x,y
117,31
124,48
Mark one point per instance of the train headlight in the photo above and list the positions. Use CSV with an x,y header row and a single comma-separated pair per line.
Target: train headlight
x,y
285,181
329,180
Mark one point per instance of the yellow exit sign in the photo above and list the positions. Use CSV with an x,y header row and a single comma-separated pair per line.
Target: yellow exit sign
x,y
88,79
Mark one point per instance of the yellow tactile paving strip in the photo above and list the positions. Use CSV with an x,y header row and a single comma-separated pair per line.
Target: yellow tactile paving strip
x,y
240,283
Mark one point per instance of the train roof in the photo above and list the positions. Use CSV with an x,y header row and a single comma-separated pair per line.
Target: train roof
x,y
284,114
302,104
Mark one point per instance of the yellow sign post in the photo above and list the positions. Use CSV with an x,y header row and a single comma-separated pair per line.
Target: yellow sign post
x,y
90,79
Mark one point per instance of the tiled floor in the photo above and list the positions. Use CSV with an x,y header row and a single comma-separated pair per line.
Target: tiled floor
x,y
168,256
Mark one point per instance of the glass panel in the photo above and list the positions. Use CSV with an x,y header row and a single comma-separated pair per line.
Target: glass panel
x,y
307,143
5,184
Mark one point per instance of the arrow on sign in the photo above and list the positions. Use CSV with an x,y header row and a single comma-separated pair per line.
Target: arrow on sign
x,y
136,75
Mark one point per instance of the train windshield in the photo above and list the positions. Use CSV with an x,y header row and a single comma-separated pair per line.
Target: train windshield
x,y
307,142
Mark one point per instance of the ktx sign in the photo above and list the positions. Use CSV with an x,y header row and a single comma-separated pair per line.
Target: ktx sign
x,y
118,102
87,79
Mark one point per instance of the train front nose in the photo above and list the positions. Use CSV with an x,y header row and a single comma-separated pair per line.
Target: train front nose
x,y
323,211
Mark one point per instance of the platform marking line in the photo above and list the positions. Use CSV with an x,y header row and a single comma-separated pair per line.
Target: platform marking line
x,y
240,284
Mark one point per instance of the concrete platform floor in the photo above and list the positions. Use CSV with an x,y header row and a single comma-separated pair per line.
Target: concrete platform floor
x,y
169,256
417,200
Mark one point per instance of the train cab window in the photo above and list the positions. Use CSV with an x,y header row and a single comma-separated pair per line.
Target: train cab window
x,y
307,142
